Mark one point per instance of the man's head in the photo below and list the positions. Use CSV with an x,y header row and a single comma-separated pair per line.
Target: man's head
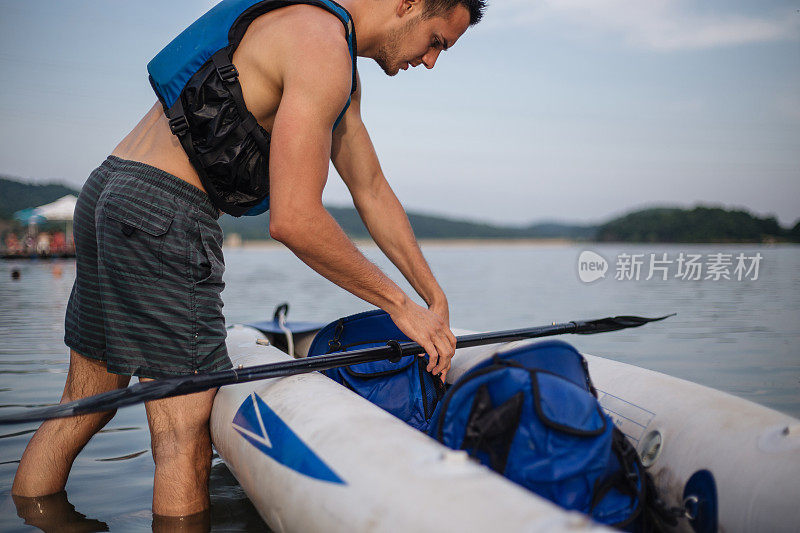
x,y
422,29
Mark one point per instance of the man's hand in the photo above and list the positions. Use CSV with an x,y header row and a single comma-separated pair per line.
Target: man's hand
x,y
430,331
441,308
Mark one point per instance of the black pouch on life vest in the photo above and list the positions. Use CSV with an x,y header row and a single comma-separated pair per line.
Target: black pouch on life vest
x,y
222,138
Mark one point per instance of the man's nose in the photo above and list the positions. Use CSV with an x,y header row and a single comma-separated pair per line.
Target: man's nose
x,y
429,59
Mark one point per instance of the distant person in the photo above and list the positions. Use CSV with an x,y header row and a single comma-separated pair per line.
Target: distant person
x,y
29,245
13,246
58,243
242,130
15,274
43,244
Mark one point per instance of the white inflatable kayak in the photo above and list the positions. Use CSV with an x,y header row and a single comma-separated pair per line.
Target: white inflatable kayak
x,y
314,456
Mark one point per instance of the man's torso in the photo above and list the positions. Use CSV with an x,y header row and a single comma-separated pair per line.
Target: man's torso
x,y
258,60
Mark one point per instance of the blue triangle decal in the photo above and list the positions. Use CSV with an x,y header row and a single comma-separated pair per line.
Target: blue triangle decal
x,y
247,418
278,441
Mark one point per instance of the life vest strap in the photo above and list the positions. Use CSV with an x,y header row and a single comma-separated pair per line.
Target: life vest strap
x,y
180,128
228,73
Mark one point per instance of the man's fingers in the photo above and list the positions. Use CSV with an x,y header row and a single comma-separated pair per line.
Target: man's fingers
x,y
433,356
445,353
451,337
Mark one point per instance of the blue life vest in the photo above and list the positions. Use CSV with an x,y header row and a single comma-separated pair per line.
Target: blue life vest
x,y
531,415
199,89
404,388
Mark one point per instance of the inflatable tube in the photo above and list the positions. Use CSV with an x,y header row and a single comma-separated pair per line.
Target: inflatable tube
x,y
313,456
738,459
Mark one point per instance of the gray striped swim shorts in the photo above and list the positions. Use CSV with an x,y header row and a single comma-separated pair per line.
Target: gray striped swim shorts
x,y
147,296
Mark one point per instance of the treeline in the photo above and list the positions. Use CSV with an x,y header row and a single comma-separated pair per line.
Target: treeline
x,y
664,224
697,225
425,227
16,195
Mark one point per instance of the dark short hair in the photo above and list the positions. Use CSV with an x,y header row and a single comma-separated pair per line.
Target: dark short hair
x,y
439,7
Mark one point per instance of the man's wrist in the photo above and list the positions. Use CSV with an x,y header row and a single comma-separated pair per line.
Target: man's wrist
x,y
396,301
437,300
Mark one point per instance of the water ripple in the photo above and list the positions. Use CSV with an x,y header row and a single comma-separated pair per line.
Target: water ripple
x,y
123,457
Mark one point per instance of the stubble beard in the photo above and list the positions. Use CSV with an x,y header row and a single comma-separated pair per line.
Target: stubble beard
x,y
387,55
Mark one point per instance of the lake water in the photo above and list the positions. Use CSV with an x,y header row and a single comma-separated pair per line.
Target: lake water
x,y
742,337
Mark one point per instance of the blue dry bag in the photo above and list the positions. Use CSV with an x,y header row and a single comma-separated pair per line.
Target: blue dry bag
x,y
531,414
404,388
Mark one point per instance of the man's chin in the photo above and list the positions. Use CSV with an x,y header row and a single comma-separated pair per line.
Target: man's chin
x,y
389,71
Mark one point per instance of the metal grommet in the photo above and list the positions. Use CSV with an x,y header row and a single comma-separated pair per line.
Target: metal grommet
x,y
651,448
690,505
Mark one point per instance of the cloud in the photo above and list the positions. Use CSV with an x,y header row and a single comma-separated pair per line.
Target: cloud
x,y
663,25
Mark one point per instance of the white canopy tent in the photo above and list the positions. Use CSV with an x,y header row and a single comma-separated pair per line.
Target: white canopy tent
x,y
60,210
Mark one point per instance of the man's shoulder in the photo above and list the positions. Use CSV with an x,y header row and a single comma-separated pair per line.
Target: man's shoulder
x,y
303,27
301,39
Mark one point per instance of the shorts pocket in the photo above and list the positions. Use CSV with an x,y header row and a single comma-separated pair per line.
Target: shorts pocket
x,y
133,234
208,262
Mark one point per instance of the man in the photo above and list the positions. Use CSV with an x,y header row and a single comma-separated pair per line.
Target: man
x,y
146,301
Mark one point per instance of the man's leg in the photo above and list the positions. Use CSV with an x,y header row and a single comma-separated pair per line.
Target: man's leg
x,y
181,444
47,460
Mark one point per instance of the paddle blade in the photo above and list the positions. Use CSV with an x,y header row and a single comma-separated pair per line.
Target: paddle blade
x,y
615,323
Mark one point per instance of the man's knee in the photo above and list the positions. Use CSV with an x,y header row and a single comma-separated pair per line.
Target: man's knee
x,y
180,441
179,428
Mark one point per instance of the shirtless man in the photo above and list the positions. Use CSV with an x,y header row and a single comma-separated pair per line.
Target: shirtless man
x,y
147,299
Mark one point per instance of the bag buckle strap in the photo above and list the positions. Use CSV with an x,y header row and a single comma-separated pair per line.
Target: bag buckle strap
x,y
335,344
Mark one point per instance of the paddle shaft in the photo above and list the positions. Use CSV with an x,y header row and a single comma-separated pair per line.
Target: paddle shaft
x,y
166,388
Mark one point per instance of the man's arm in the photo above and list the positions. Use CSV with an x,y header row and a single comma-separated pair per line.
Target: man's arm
x,y
316,73
355,159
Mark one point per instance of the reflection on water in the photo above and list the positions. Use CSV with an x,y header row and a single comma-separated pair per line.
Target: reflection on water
x,y
741,337
196,523
54,513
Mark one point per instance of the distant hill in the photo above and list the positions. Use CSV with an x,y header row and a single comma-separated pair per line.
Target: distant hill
x,y
661,224
16,195
425,227
700,224
547,230
794,233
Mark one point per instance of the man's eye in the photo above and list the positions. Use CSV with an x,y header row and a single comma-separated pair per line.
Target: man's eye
x,y
435,43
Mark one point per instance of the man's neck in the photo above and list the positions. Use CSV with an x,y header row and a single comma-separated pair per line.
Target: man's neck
x,y
369,18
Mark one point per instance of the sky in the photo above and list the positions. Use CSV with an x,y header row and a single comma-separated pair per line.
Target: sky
x,y
567,110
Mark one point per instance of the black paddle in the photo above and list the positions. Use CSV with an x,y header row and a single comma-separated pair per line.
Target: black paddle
x,y
166,388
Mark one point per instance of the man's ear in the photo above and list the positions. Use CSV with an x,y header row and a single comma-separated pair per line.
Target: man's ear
x,y
408,7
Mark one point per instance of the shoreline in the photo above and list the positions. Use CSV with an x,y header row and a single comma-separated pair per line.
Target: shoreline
x,y
488,243
441,243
